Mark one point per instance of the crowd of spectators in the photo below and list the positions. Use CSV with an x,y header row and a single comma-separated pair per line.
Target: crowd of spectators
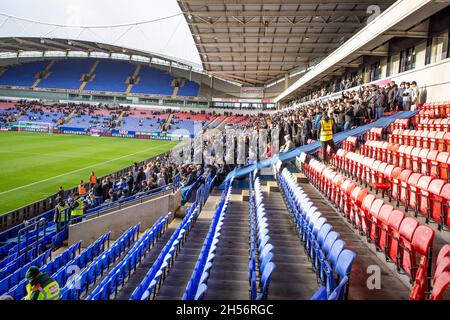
x,y
299,123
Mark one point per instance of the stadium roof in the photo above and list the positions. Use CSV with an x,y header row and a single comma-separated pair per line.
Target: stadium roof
x,y
406,18
262,40
35,47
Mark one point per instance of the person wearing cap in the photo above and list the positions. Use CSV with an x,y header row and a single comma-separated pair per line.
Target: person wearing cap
x,y
40,286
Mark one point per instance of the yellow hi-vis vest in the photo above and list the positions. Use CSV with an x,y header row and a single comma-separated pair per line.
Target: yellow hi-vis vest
x,y
326,130
78,211
49,292
63,211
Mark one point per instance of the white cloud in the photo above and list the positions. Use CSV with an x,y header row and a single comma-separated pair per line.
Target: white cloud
x,y
170,37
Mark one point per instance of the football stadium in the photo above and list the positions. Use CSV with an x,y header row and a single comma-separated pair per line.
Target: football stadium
x,y
220,150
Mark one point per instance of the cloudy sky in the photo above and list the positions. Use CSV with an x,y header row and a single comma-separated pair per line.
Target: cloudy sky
x,y
169,36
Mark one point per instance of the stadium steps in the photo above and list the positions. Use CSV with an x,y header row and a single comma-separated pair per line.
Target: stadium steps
x,y
91,72
134,76
138,275
69,117
176,281
45,72
175,92
228,279
392,286
294,277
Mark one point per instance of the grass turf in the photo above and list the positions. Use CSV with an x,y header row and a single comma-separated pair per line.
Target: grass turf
x,y
34,165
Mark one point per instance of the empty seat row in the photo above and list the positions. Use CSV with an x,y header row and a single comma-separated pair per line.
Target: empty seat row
x,y
433,288
198,283
434,124
119,275
13,278
154,278
349,144
261,266
66,266
373,134
80,283
430,162
441,109
399,124
433,140
330,260
424,194
425,114
402,239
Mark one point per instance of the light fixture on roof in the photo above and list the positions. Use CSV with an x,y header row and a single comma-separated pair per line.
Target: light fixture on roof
x,y
69,43
198,37
42,41
205,56
306,38
190,17
124,50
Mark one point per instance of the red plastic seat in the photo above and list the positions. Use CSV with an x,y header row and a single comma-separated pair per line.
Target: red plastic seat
x,y
405,191
427,204
364,213
346,189
445,252
416,198
407,229
373,218
357,196
383,227
440,286
442,267
394,222
397,191
416,155
427,160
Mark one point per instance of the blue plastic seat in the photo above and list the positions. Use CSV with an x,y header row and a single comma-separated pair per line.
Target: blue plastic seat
x,y
265,280
335,251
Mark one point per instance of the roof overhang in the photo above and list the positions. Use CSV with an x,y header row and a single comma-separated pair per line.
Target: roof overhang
x,y
402,19
257,41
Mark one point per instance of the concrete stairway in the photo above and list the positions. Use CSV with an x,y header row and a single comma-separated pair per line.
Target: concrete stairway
x,y
45,73
134,76
90,74
178,277
293,278
228,278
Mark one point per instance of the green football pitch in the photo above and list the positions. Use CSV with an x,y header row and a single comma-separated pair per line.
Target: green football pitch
x,y
34,165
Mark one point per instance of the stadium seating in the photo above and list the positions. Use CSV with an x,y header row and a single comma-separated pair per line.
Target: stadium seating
x,y
331,261
404,243
75,287
261,255
66,74
155,277
197,285
22,74
118,276
423,194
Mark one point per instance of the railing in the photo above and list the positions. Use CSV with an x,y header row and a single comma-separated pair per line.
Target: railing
x,y
44,208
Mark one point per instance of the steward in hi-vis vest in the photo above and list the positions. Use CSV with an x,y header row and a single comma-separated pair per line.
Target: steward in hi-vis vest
x,y
77,209
325,135
62,213
82,188
41,286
